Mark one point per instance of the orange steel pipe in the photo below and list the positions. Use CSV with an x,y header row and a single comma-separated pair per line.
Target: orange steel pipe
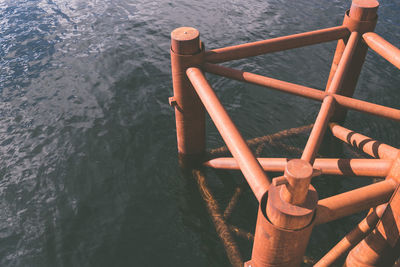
x,y
276,44
256,79
382,246
360,18
369,108
189,111
304,91
349,167
353,238
344,64
383,48
328,104
363,10
251,169
354,201
317,132
364,143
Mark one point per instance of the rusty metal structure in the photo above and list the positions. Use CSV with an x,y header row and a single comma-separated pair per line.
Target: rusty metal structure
x,y
289,207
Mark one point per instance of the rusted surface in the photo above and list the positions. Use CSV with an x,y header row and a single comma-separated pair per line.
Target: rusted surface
x,y
360,18
377,168
276,44
369,108
185,41
307,92
364,9
344,64
256,79
317,132
298,173
276,246
353,238
364,143
383,48
382,246
189,111
252,171
394,172
289,207
290,216
354,201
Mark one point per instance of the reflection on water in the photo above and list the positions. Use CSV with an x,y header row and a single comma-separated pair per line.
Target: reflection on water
x,y
89,173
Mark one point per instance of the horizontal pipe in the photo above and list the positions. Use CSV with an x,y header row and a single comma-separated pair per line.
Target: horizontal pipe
x,y
256,79
377,168
304,91
318,131
276,44
354,201
251,169
383,48
367,107
368,145
353,238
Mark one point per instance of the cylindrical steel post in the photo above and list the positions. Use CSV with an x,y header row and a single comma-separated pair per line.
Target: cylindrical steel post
x,y
361,18
353,238
382,246
298,173
187,51
283,229
354,201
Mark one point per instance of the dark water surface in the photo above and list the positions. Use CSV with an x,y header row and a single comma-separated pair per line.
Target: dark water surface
x,y
89,171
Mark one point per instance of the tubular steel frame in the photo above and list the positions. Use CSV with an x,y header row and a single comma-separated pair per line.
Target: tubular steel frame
x,y
289,205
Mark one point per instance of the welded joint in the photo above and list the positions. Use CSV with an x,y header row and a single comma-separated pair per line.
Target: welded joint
x,y
172,101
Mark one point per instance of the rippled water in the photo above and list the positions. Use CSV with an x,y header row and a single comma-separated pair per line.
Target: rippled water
x,y
89,173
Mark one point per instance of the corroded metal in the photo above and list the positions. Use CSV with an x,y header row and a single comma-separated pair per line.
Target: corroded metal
x,y
281,246
354,201
186,51
252,171
361,18
353,238
276,44
376,168
364,143
304,91
289,207
383,48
